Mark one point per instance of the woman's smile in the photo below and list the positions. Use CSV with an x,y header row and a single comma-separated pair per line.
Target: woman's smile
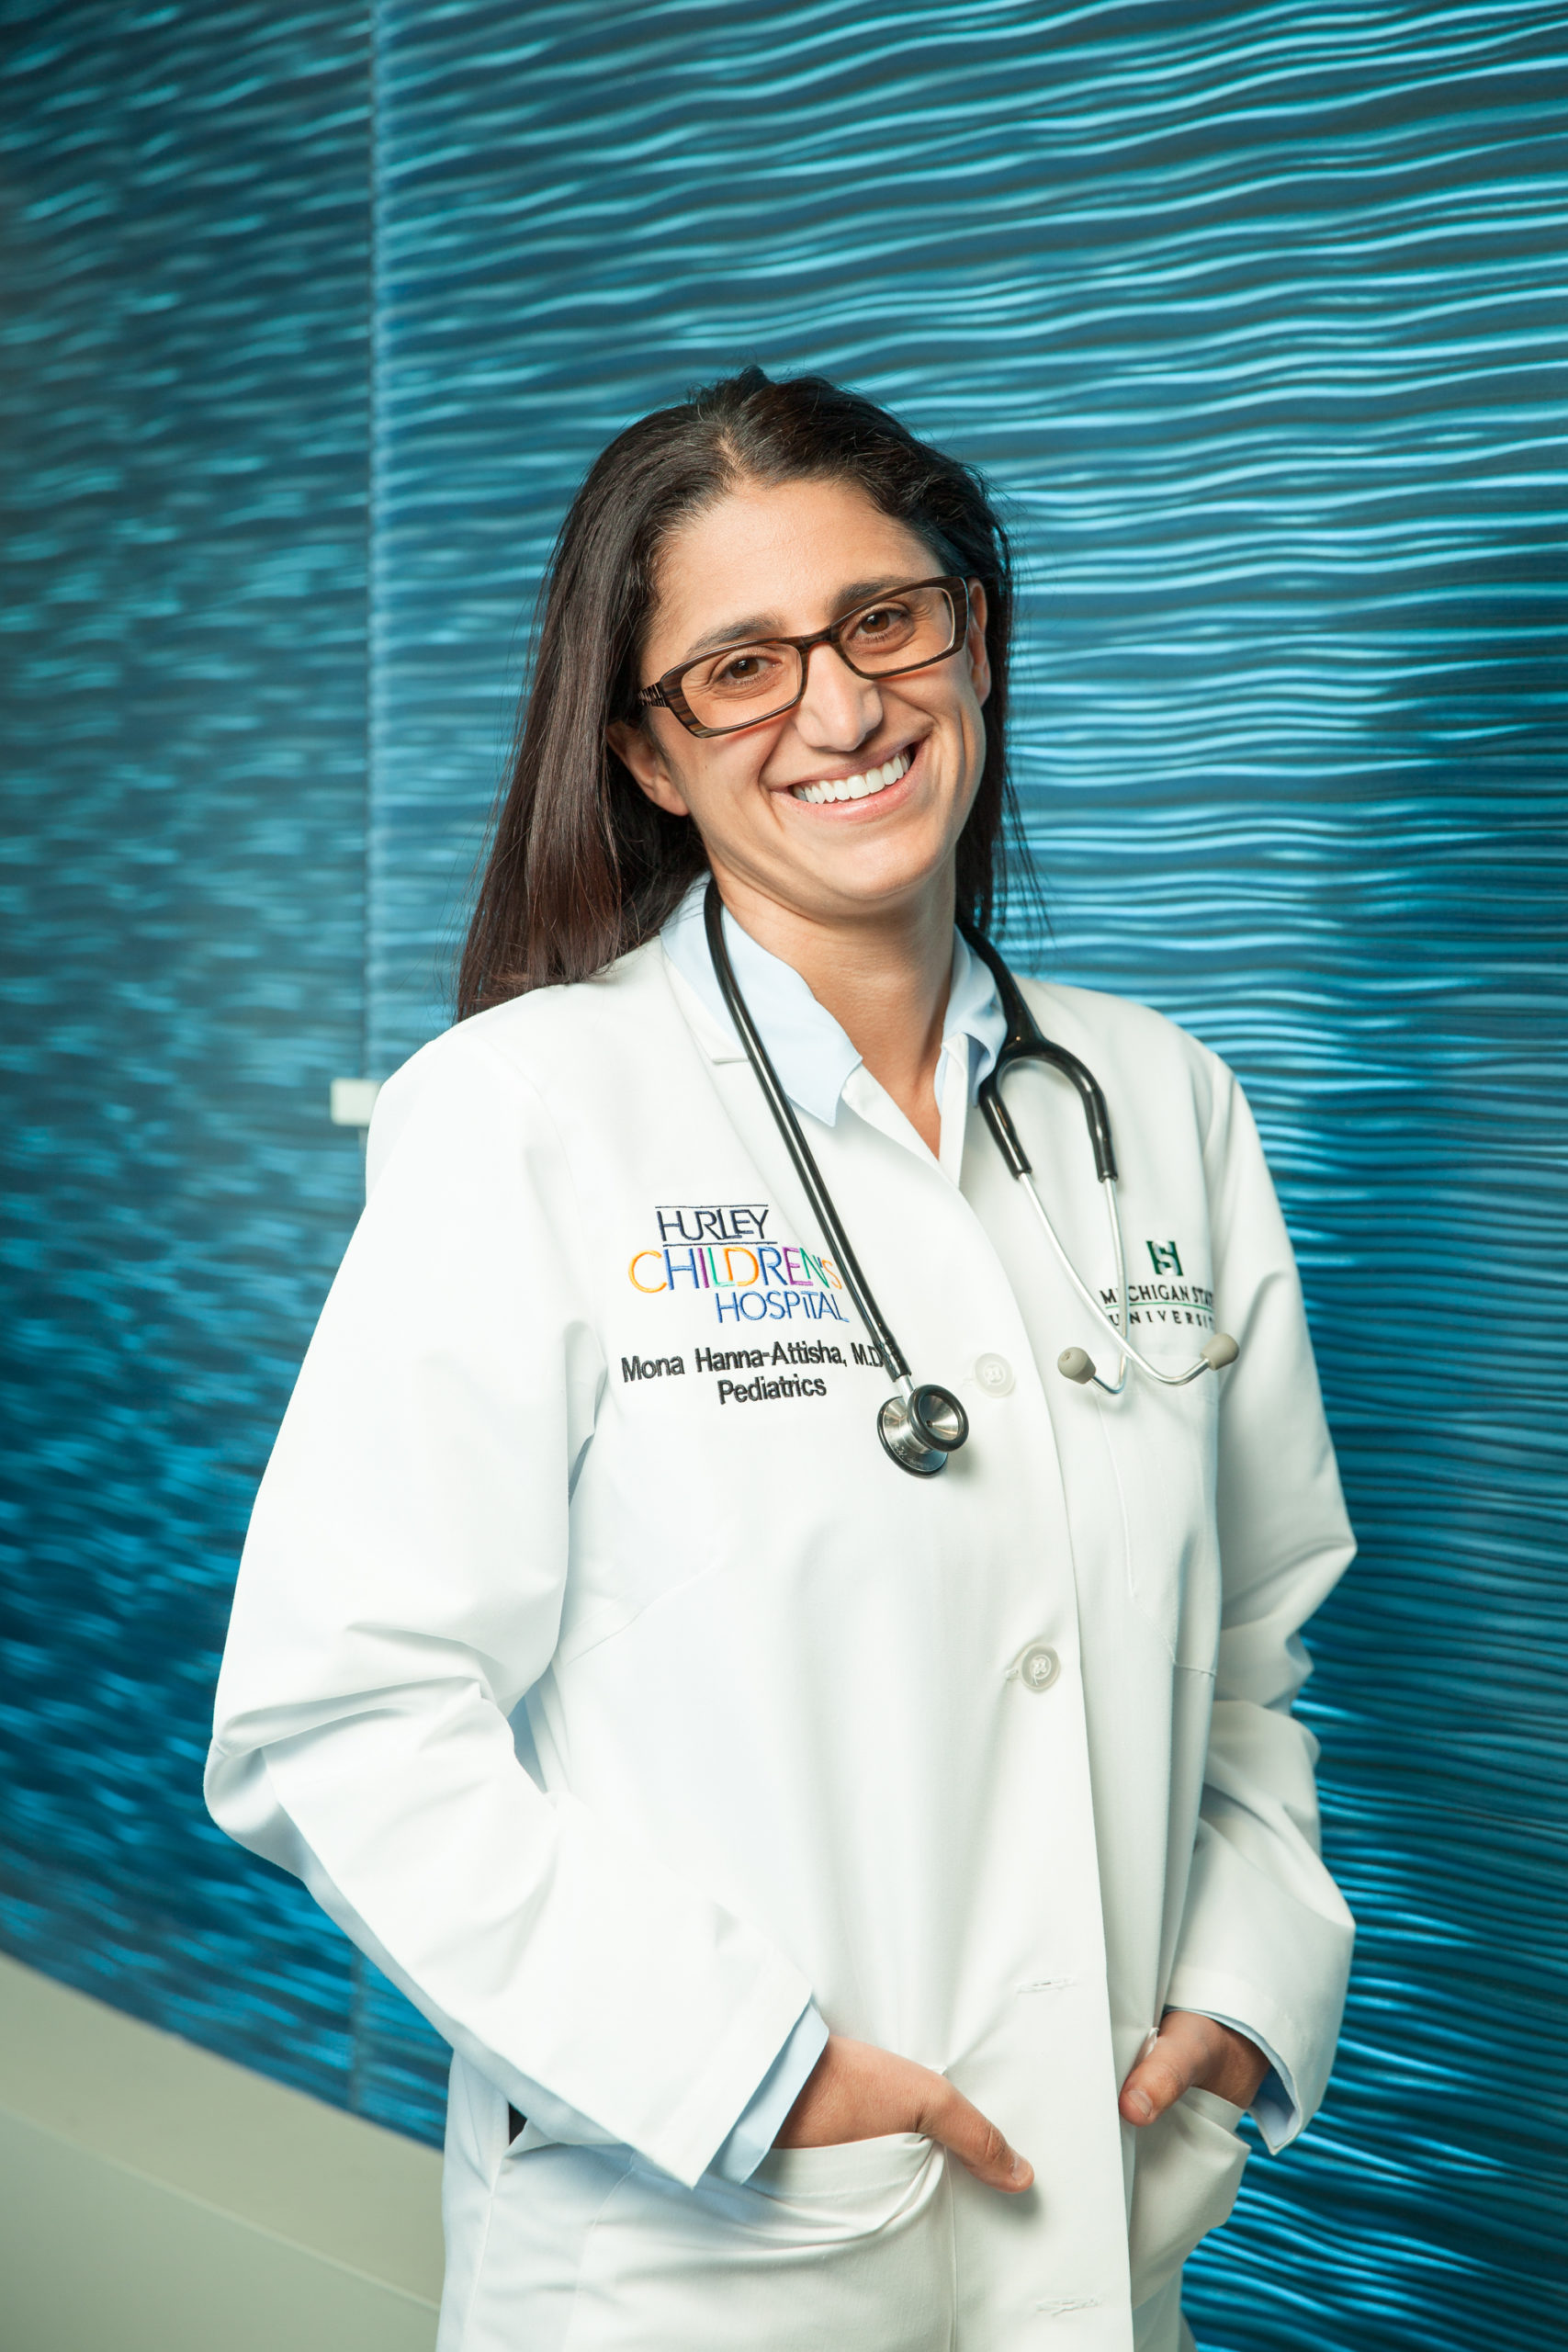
x,y
873,782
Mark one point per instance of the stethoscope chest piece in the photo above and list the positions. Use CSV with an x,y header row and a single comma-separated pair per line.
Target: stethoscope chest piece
x,y
921,1430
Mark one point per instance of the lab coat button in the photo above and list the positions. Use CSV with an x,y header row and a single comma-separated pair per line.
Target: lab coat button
x,y
994,1374
1039,1667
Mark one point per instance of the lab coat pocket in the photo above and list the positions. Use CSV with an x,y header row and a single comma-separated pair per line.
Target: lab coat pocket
x,y
823,2247
864,2182
1187,2171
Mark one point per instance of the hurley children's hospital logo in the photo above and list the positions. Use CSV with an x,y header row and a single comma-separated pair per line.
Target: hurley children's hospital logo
x,y
723,1252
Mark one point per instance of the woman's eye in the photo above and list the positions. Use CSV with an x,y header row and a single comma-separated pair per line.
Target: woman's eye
x,y
742,672
883,620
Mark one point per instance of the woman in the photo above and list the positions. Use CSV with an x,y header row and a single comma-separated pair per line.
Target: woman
x,y
787,1839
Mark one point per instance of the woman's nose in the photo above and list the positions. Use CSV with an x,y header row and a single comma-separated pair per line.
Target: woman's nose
x,y
837,710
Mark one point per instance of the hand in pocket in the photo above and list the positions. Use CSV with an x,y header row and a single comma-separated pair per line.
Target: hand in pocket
x,y
1192,2053
858,2092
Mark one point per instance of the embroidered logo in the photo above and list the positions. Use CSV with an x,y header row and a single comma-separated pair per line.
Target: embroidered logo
x,y
1164,1302
719,1250
740,1221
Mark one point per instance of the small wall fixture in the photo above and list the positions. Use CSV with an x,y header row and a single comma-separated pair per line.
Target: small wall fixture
x,y
353,1099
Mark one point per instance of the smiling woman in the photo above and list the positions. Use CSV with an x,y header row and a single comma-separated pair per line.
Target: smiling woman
x,y
780,1836
584,866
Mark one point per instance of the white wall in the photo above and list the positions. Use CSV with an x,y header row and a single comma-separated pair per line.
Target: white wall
x,y
155,2198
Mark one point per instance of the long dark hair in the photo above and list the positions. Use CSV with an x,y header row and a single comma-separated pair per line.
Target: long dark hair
x,y
583,867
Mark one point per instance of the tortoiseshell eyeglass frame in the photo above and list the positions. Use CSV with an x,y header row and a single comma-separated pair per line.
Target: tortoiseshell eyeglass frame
x,y
668,695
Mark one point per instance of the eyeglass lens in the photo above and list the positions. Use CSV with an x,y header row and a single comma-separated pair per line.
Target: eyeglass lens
x,y
744,683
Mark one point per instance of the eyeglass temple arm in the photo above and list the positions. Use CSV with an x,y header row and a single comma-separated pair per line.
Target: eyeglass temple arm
x,y
1024,1041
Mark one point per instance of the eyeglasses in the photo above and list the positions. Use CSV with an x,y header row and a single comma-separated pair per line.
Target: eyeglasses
x,y
903,628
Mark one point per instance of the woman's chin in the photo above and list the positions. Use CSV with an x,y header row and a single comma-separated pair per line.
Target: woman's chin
x,y
877,879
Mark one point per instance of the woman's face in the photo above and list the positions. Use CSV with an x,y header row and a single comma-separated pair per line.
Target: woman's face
x,y
785,560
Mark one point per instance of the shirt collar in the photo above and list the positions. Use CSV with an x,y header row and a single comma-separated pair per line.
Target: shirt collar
x,y
814,1058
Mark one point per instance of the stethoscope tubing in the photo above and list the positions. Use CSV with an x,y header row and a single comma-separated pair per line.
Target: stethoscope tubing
x,y
1124,1347
800,1151
920,1427
1025,1042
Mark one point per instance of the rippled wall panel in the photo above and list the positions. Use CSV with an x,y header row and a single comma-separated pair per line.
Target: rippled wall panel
x,y
1255,314
183,309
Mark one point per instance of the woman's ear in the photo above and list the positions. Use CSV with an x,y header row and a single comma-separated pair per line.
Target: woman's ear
x,y
979,658
636,749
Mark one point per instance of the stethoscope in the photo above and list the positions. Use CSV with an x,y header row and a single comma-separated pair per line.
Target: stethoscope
x,y
921,1426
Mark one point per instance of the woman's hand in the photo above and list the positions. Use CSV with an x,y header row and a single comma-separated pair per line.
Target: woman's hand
x,y
1193,2052
858,2092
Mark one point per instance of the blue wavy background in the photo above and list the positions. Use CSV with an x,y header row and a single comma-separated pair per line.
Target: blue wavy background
x,y
1255,315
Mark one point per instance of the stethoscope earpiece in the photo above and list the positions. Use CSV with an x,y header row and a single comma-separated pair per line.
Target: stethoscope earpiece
x,y
1077,1363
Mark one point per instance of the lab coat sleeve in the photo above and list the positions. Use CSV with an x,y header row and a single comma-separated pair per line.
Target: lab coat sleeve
x,y
1265,1939
402,1589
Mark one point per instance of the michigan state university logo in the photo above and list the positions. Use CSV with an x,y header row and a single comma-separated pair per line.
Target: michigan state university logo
x,y
1162,1299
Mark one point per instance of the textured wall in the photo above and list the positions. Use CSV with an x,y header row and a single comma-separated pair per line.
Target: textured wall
x,y
183,300
1254,314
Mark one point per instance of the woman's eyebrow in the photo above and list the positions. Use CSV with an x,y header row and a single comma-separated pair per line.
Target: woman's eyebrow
x,y
733,633
857,591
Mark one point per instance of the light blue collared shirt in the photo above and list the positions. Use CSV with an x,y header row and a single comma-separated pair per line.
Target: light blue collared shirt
x,y
814,1058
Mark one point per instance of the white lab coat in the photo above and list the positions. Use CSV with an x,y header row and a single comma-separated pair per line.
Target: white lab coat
x,y
617,1713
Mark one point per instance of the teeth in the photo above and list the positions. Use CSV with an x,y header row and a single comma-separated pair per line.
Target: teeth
x,y
854,787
